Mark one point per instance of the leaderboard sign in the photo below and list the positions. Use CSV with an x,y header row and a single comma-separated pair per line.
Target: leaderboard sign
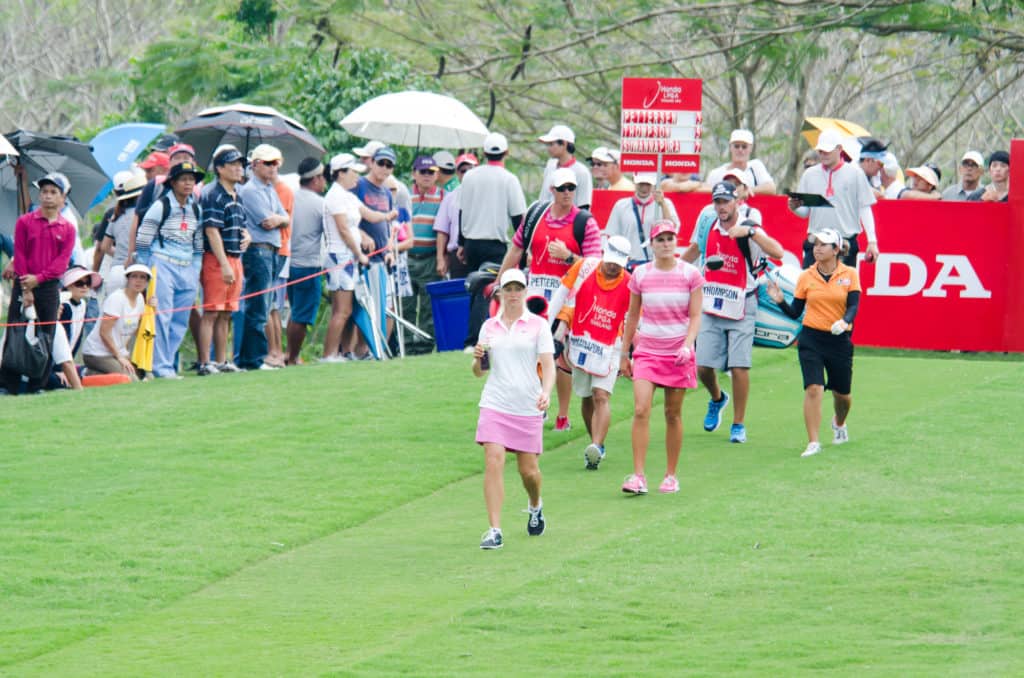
x,y
661,118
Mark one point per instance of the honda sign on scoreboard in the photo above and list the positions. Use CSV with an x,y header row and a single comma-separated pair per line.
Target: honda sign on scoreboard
x,y
661,118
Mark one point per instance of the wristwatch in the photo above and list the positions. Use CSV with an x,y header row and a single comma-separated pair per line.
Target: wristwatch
x,y
570,259
753,231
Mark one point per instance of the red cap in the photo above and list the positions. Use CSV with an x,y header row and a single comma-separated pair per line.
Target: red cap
x,y
466,158
181,148
156,159
663,226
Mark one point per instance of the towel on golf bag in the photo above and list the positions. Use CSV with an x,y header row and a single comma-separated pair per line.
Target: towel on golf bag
x,y
773,328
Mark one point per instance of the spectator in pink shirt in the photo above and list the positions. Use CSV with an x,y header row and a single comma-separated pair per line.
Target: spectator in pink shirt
x,y
662,325
43,243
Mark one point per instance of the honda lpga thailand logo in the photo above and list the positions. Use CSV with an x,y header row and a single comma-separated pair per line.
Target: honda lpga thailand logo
x,y
664,94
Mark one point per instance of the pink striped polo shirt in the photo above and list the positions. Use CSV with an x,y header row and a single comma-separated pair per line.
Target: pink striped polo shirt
x,y
665,308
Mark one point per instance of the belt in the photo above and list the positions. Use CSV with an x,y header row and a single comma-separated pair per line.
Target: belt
x,y
264,245
172,260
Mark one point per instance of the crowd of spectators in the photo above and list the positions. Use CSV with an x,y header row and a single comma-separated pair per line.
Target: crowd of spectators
x,y
209,247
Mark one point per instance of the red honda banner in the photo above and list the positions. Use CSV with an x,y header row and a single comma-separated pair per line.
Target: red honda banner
x,y
944,279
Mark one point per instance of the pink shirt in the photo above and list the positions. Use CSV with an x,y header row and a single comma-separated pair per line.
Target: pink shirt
x,y
42,248
512,383
591,245
665,309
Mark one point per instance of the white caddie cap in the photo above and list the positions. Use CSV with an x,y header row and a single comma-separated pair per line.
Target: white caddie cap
x,y
616,250
563,176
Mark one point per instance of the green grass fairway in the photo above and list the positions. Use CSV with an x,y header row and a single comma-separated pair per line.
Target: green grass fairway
x,y
325,520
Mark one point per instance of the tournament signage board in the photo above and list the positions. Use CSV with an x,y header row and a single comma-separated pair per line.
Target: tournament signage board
x,y
661,120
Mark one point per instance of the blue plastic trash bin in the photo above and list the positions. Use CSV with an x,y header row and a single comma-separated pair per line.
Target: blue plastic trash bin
x,y
450,303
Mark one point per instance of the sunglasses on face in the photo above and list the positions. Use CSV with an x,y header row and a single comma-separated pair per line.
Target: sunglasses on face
x,y
271,163
448,172
385,163
595,163
426,172
567,188
80,283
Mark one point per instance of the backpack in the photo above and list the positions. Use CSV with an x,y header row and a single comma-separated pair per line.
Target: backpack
x,y
166,203
532,218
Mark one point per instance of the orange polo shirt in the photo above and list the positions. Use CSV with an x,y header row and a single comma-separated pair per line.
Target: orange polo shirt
x,y
826,301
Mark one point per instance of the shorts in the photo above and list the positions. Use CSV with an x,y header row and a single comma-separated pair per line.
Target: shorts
x,y
824,353
304,297
661,370
343,278
724,344
219,295
584,383
516,433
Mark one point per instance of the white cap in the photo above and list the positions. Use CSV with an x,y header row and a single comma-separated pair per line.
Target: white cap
x,y
890,164
495,143
368,149
828,140
119,180
563,176
266,153
828,236
603,154
138,268
974,156
559,133
513,275
926,173
616,250
744,136
645,178
346,161
742,175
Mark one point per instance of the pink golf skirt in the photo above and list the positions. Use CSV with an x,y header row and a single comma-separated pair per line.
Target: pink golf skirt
x,y
514,432
661,370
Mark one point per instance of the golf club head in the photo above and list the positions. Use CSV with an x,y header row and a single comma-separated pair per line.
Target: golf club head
x,y
714,262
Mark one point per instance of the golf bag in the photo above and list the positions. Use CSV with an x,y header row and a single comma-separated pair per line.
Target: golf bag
x,y
773,328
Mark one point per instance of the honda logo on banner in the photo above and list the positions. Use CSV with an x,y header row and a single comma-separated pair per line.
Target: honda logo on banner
x,y
956,272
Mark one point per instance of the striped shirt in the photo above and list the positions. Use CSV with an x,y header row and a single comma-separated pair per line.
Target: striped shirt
x,y
665,309
223,212
182,236
424,211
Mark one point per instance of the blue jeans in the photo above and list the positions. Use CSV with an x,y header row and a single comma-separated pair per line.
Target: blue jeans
x,y
258,267
176,287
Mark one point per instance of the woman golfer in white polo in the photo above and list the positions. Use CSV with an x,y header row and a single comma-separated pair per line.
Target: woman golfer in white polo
x,y
512,405
830,292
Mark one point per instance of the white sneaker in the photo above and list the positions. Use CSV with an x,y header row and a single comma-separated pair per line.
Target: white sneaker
x,y
839,433
812,449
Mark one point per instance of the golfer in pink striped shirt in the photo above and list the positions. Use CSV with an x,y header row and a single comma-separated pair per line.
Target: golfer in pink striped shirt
x,y
663,321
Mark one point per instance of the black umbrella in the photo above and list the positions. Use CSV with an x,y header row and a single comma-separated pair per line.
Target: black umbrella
x,y
246,127
41,154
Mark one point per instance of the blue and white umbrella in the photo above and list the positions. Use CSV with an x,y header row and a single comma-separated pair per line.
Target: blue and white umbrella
x,y
117,147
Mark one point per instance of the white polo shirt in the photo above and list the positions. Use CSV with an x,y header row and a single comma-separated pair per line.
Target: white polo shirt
x,y
850,192
513,385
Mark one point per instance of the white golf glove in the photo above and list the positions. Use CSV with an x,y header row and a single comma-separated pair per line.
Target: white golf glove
x,y
838,327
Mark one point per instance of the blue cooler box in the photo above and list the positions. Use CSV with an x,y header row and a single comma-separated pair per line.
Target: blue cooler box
x,y
449,301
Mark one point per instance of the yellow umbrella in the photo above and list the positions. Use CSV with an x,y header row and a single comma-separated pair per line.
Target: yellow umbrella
x,y
815,126
142,352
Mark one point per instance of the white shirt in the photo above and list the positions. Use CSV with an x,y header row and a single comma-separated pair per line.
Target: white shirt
x,y
755,170
512,383
341,201
127,324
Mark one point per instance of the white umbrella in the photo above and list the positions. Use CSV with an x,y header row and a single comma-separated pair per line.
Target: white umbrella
x,y
6,148
420,119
